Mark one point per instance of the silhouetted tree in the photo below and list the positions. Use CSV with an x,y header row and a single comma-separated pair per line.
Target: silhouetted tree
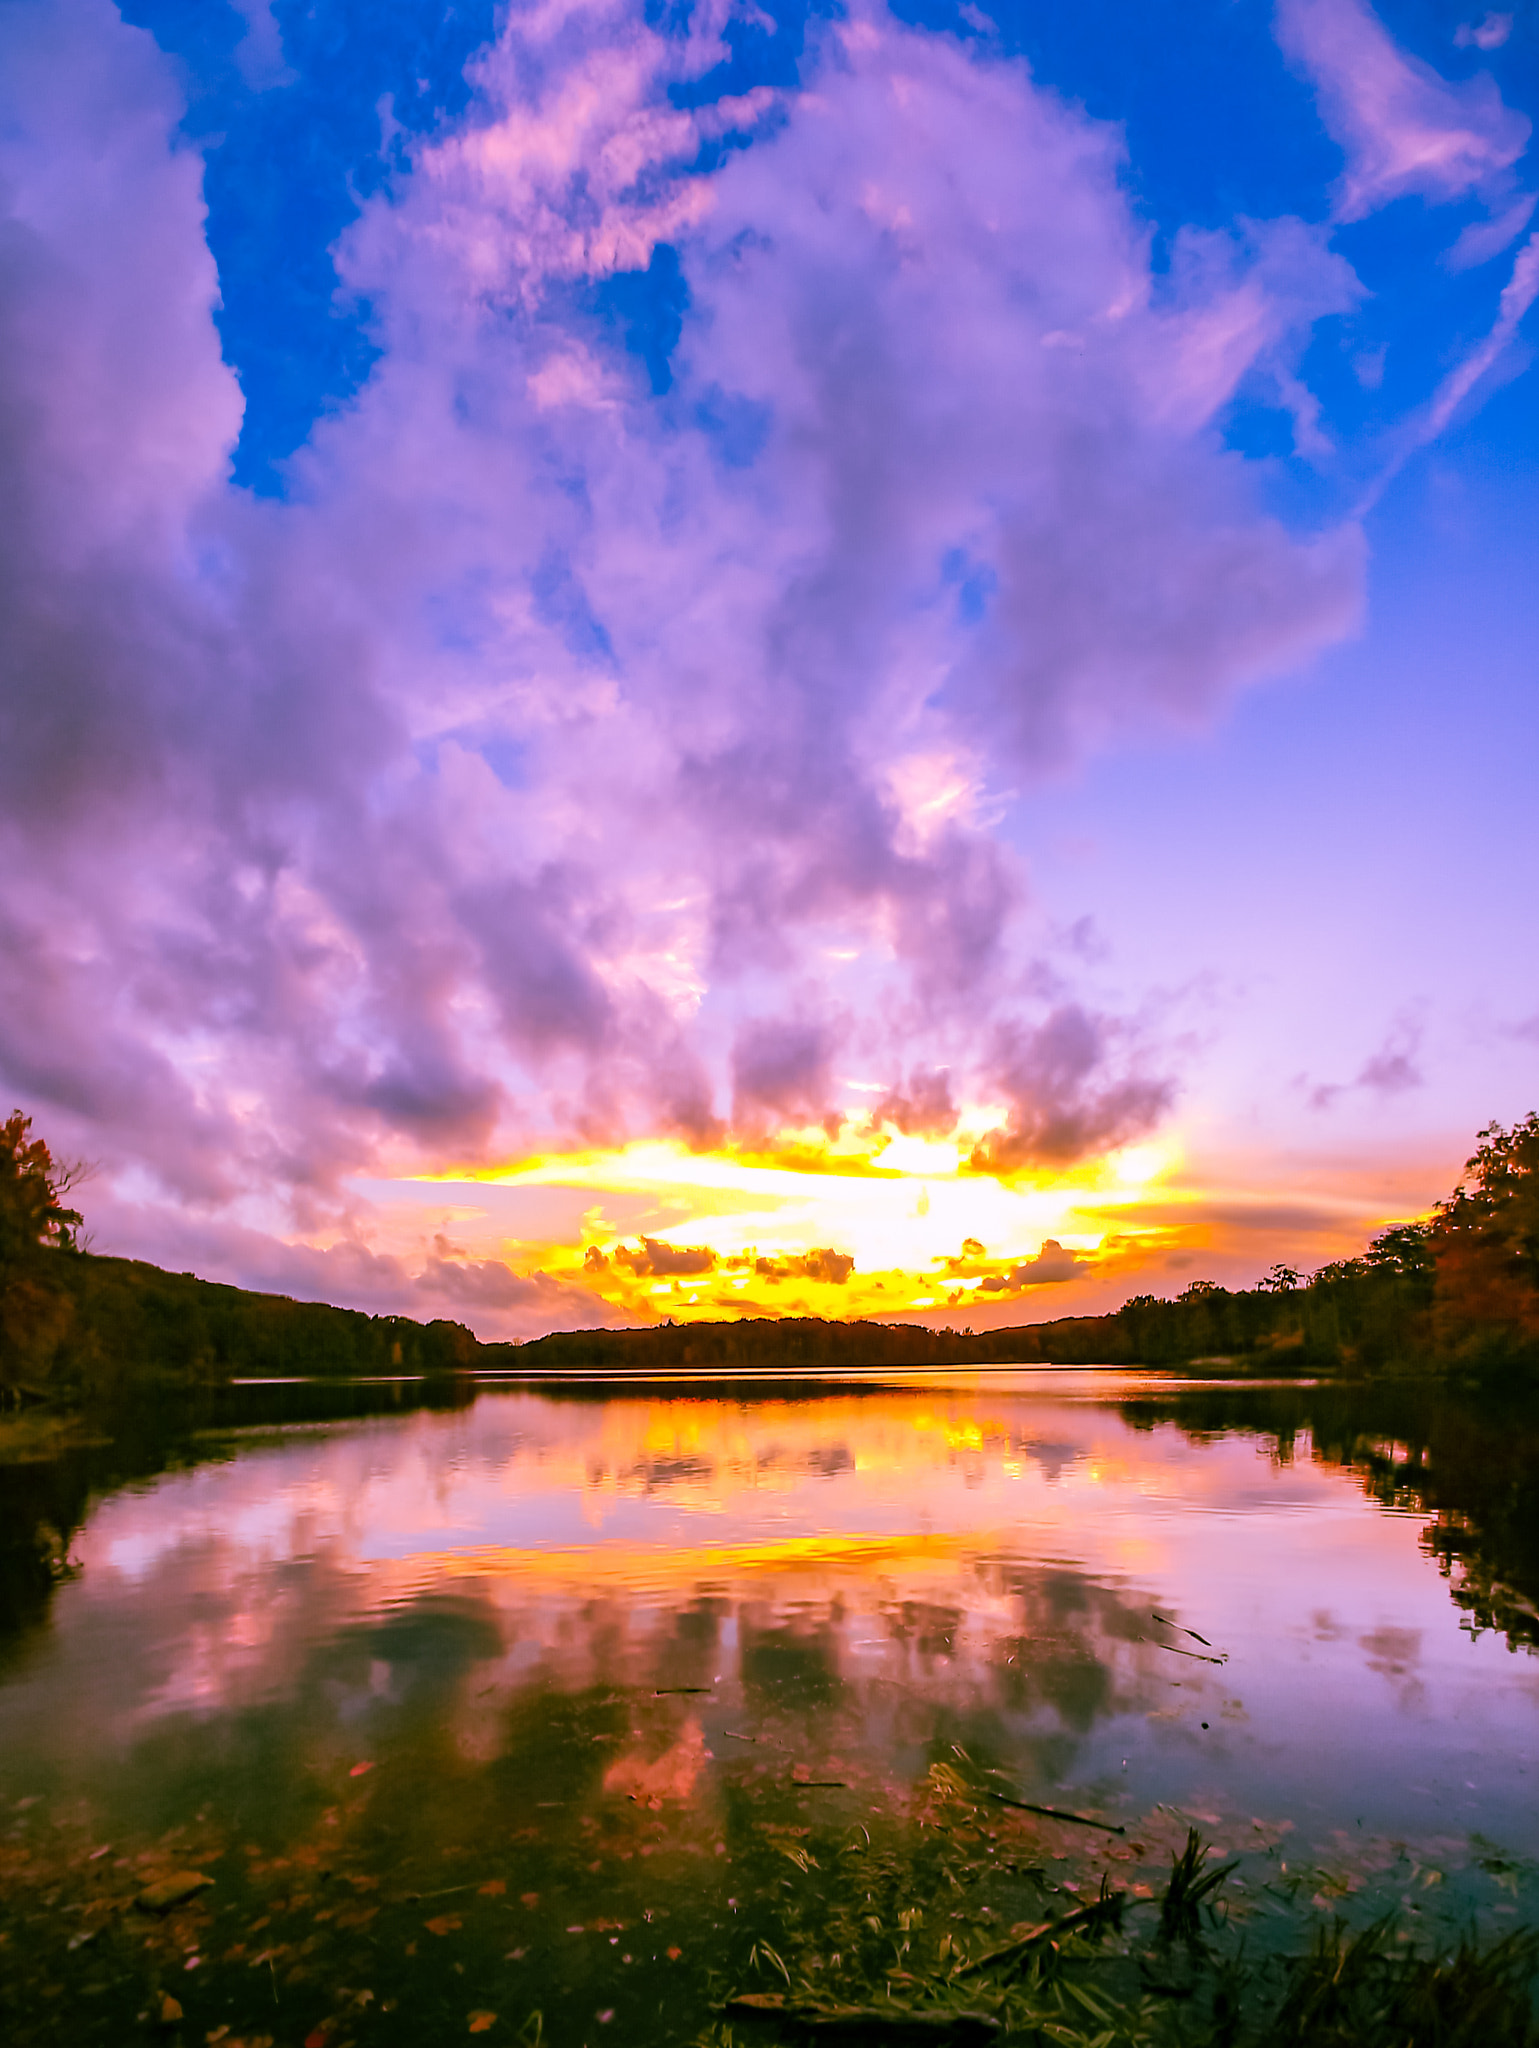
x,y
1485,1245
36,1225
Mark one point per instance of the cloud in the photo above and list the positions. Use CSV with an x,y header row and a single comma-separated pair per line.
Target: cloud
x,y
827,1265
1051,1266
435,1280
782,1068
259,53
1071,1093
1487,34
1483,239
1392,1070
1518,296
602,740
920,1107
1403,129
652,1259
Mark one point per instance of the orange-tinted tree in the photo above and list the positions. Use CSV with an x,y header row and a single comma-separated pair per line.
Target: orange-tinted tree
x,y
1486,1246
36,1226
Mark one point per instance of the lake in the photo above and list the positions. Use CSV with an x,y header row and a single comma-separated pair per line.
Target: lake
x,y
562,1712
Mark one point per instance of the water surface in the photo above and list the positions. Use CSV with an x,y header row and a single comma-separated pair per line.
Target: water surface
x,y
529,1708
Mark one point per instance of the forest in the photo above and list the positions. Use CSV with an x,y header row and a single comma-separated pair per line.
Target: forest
x,y
1456,1292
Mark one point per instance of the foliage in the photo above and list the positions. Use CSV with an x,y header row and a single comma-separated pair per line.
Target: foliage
x,y
1355,1989
1190,1888
1486,1246
32,1187
74,1326
36,1225
1460,1288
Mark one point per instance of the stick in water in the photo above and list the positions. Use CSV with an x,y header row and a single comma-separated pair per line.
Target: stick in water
x,y
1057,1813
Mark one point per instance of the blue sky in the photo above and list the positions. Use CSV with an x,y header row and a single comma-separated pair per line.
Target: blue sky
x,y
305,111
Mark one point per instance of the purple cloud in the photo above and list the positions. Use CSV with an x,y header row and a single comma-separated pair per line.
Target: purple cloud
x,y
1072,1090
1392,1070
652,1258
559,760
822,1263
1049,1268
1403,128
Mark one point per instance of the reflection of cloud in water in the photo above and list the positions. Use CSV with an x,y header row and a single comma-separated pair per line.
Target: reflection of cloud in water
x,y
878,1577
654,1781
1395,1654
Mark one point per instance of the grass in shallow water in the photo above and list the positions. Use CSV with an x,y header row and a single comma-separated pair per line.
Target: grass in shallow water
x,y
878,1956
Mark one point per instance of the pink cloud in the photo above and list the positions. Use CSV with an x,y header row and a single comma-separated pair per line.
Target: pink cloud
x,y
1403,128
564,761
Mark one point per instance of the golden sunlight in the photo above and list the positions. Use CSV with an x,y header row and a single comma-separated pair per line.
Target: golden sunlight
x,y
904,1225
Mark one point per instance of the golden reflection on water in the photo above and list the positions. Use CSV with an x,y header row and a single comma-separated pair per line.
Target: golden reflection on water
x,y
1011,1551
606,1650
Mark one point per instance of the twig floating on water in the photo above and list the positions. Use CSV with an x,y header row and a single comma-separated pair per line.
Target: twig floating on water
x,y
1176,1650
1183,1629
1057,1813
668,1692
894,2021
1103,1911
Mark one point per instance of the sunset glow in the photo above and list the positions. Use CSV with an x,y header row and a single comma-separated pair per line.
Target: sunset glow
x,y
908,1227
733,663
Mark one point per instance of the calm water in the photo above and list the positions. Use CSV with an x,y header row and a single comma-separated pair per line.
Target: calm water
x,y
506,1710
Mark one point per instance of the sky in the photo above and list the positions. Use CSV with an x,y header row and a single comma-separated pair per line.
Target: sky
x,y
678,660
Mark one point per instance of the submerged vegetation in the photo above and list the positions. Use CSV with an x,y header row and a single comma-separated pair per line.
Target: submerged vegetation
x,y
772,1909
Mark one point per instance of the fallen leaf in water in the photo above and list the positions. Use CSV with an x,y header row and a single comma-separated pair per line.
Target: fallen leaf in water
x,y
674,1954
493,1888
358,1770
170,2011
480,2022
171,1890
529,1898
669,1776
444,1924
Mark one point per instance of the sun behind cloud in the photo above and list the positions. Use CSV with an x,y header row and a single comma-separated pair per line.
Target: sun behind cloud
x,y
900,1226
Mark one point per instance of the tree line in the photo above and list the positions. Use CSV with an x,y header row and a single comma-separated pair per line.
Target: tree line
x,y
1457,1291
75,1327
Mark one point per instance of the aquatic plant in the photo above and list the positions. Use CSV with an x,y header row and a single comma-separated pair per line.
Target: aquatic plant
x,y
1362,1991
1191,1887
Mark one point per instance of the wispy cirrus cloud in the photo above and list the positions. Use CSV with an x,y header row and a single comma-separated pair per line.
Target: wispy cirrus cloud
x,y
1393,1069
1404,129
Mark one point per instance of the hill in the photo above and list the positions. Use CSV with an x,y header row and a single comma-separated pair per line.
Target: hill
x,y
1459,1291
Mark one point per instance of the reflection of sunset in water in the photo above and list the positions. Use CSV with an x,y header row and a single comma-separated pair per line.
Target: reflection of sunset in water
x,y
993,1550
595,1656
